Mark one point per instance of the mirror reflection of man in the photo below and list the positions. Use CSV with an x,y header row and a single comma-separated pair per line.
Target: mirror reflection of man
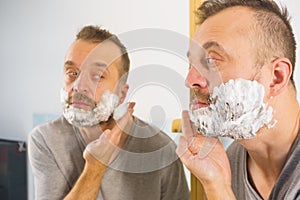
x,y
96,149
252,45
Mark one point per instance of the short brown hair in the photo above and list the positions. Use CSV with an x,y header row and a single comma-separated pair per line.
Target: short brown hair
x,y
96,34
274,33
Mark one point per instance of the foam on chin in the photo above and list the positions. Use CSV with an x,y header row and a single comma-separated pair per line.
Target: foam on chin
x,y
101,113
237,111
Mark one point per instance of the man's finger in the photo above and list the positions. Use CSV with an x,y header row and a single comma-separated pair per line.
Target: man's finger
x,y
182,146
105,148
183,152
195,144
131,105
208,145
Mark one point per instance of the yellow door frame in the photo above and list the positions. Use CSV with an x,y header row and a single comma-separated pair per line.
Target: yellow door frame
x,y
197,191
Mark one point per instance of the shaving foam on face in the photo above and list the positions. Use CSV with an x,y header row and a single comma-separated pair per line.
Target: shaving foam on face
x,y
83,118
120,111
237,111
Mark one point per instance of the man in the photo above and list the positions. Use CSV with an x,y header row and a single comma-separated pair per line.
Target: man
x,y
97,149
247,43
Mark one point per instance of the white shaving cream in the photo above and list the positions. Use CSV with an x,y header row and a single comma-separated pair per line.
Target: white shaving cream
x,y
237,111
103,110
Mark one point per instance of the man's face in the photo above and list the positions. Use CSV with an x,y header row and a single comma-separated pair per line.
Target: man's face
x,y
223,41
229,89
90,69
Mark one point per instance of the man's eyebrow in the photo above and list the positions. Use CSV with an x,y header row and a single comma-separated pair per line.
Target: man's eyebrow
x,y
69,62
212,44
99,64
102,65
219,48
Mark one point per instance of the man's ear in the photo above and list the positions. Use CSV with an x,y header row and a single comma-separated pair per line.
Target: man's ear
x,y
281,73
123,92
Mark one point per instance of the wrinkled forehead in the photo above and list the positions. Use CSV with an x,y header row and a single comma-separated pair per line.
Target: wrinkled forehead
x,y
232,29
105,53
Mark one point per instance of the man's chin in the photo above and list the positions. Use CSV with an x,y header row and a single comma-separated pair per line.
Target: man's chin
x,y
83,124
82,118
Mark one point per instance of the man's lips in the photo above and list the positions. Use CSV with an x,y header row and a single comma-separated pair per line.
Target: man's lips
x,y
196,104
80,104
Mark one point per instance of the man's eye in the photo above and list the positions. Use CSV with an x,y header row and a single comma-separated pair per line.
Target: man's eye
x,y
208,63
211,61
72,73
98,77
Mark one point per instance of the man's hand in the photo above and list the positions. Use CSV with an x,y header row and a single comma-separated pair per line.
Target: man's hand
x,y
106,148
206,159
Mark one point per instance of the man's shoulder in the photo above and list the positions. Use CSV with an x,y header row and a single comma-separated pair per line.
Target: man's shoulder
x,y
146,138
144,131
148,149
53,128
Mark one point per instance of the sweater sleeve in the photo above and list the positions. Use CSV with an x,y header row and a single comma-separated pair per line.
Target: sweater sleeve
x,y
50,182
174,184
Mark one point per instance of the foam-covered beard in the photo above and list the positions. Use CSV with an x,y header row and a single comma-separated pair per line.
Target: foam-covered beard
x,y
107,105
236,111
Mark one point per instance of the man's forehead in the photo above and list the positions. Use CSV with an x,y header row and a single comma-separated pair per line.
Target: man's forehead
x,y
231,15
106,50
85,52
228,21
224,32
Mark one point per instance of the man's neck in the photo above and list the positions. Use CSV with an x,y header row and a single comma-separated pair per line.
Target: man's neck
x,y
267,153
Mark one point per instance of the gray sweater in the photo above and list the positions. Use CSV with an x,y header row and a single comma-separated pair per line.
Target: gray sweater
x,y
147,168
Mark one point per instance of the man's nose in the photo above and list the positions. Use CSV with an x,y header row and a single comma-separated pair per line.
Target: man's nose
x,y
195,80
81,84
